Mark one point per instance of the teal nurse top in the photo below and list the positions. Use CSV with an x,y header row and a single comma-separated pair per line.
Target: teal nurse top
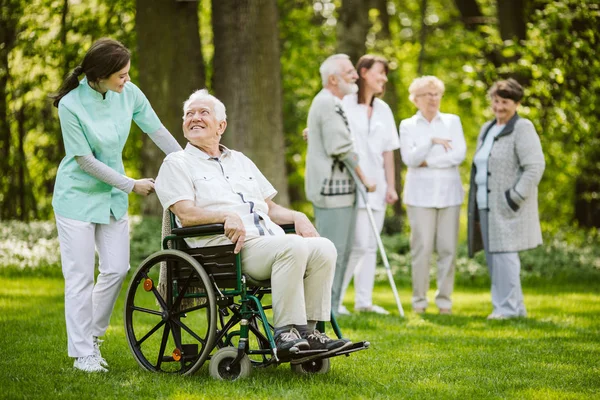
x,y
98,125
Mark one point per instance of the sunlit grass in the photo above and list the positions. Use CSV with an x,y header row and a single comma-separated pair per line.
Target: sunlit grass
x,y
552,354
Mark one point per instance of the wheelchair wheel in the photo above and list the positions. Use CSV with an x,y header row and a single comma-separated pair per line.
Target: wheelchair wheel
x,y
170,313
319,366
220,365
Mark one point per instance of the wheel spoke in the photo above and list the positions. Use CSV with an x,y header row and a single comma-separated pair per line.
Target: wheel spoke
x,y
146,310
182,292
163,345
188,330
147,335
159,298
189,310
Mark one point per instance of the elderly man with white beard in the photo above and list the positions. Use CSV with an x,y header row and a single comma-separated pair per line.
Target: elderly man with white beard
x,y
328,183
207,183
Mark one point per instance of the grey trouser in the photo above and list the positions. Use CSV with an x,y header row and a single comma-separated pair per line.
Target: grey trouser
x,y
337,225
433,229
505,270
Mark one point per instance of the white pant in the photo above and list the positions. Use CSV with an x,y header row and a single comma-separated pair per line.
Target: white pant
x,y
363,258
301,272
87,306
433,228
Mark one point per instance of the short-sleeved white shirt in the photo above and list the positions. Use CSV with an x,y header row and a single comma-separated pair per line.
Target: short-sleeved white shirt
x,y
372,137
231,183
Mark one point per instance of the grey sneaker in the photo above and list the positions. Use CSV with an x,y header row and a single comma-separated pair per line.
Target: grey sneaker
x,y
89,364
97,344
320,341
286,341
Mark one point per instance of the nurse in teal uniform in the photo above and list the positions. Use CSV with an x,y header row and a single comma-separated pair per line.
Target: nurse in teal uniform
x,y
91,191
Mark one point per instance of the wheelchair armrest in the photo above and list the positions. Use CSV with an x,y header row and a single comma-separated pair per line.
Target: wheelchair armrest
x,y
216,229
210,229
288,228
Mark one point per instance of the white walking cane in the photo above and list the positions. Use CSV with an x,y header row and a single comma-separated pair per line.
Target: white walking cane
x,y
363,193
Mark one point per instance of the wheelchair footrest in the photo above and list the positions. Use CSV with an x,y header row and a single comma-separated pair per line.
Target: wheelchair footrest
x,y
285,357
320,354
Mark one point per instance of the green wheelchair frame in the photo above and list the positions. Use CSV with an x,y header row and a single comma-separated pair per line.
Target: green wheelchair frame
x,y
180,297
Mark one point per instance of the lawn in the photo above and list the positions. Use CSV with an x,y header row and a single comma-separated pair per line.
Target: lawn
x,y
555,353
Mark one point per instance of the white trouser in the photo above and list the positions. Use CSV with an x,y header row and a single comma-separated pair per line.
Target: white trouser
x,y
87,306
363,258
433,228
301,272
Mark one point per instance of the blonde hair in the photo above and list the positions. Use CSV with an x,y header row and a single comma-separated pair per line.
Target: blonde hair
x,y
422,82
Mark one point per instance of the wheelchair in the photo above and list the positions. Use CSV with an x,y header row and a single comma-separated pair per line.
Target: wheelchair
x,y
185,306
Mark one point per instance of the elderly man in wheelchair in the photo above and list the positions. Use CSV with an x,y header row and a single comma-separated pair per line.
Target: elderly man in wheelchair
x,y
230,242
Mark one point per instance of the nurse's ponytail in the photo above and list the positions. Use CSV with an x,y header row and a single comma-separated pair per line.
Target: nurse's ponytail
x,y
104,58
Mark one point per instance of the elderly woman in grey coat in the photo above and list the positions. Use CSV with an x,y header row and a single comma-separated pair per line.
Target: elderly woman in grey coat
x,y
503,205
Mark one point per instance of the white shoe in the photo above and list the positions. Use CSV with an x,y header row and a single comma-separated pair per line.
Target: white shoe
x,y
342,310
497,316
97,344
89,364
379,310
374,309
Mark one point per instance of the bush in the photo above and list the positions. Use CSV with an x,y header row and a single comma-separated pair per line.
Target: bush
x,y
568,256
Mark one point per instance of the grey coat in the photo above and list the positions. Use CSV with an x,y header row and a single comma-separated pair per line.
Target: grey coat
x,y
515,168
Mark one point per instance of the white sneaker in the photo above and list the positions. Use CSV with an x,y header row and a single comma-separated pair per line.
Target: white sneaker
x,y
372,309
97,344
342,310
497,316
379,310
89,364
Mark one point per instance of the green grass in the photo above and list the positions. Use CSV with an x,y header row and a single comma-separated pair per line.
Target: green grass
x,y
554,353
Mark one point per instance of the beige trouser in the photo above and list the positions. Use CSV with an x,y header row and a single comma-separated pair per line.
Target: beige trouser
x,y
301,272
433,228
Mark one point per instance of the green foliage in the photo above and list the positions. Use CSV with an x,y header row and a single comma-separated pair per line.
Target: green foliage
x,y
557,64
568,256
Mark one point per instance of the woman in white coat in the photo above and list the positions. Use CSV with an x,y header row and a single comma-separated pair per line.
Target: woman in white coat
x,y
375,138
432,145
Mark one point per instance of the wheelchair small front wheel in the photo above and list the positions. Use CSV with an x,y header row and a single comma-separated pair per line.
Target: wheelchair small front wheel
x,y
318,366
220,365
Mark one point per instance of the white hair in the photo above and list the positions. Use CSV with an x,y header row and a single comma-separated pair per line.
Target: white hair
x,y
331,66
423,82
202,94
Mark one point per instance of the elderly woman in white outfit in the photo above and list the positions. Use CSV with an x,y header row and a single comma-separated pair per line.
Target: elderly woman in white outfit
x,y
432,145
375,139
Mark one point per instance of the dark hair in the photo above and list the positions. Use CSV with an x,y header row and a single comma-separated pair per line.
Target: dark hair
x,y
508,89
367,61
104,58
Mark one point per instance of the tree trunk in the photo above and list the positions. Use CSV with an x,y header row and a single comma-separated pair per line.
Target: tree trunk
x,y
10,14
470,12
352,28
511,19
247,79
394,224
170,67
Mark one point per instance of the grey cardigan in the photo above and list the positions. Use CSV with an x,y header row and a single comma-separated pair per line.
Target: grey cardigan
x,y
515,167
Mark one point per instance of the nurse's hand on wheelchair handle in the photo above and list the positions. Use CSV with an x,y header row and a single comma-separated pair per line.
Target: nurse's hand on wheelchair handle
x,y
303,225
235,231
